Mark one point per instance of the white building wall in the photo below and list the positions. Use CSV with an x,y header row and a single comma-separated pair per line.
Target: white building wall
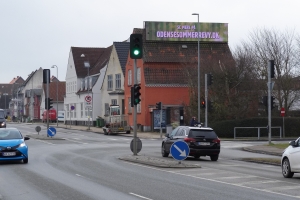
x,y
71,98
113,68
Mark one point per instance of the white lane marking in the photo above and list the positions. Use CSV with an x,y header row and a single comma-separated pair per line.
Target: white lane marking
x,y
139,196
45,142
236,177
233,184
75,141
259,182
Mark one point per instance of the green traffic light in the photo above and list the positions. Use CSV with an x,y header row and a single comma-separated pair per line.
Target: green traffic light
x,y
136,52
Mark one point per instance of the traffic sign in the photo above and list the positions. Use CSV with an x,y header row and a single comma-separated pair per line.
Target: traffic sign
x,y
51,131
88,98
282,112
38,129
72,107
180,150
138,145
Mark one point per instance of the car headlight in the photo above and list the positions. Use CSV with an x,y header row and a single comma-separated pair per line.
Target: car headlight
x,y
3,124
22,144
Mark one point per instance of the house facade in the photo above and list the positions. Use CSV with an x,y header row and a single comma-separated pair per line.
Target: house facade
x,y
166,68
112,90
84,78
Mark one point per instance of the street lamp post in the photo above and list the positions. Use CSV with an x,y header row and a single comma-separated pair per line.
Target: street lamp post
x,y
198,67
87,65
5,94
56,93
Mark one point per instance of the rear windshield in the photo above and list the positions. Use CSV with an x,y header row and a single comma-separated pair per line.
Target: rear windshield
x,y
202,133
6,134
1,114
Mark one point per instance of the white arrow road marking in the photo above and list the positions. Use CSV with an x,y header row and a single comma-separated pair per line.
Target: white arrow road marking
x,y
182,153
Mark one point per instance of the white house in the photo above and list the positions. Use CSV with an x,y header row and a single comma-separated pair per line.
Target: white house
x,y
112,90
84,78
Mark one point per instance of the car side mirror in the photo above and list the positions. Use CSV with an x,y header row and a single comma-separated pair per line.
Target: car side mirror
x,y
292,143
167,135
26,138
6,117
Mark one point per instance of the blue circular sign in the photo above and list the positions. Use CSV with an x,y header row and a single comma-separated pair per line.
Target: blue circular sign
x,y
180,150
72,107
51,131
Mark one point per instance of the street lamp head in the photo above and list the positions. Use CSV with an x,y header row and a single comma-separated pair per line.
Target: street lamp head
x,y
53,66
195,14
82,56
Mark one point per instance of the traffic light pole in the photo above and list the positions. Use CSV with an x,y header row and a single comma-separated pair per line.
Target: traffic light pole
x,y
206,103
269,100
47,99
134,115
161,119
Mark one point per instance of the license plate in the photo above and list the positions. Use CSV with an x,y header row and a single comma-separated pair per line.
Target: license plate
x,y
9,153
204,143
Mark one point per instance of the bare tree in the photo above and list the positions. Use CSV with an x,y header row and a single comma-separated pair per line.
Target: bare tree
x,y
270,44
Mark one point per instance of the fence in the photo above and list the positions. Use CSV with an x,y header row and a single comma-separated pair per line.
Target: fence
x,y
258,130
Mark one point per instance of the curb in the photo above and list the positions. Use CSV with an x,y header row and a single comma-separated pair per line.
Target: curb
x,y
262,152
155,162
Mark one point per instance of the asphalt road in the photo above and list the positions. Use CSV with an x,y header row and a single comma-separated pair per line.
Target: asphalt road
x,y
85,165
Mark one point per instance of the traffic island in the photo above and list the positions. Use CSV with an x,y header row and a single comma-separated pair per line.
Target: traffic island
x,y
156,162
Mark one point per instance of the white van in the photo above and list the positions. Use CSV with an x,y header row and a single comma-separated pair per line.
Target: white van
x,y
61,116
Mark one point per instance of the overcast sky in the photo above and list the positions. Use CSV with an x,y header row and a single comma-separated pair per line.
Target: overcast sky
x,y
39,33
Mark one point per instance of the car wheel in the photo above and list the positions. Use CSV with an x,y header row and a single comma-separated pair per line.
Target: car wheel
x,y
214,158
25,160
196,156
163,151
105,132
286,169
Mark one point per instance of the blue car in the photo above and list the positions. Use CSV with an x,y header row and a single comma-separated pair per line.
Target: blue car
x,y
12,145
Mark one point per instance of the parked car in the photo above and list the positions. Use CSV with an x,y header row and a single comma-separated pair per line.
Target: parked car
x,y
2,119
290,160
52,115
61,116
202,141
12,145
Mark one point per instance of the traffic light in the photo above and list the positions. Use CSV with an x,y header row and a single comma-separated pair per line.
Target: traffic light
x,y
203,104
210,107
272,68
48,103
210,79
136,46
136,94
272,102
265,102
158,106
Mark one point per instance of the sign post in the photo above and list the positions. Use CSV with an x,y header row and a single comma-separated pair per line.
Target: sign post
x,y
180,150
88,105
282,114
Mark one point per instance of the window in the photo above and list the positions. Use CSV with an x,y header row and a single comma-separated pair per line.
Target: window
x,y
138,108
74,111
129,105
109,82
129,77
139,75
81,110
118,81
67,110
106,106
114,102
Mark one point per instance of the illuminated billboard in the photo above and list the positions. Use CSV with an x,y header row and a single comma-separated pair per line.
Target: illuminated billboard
x,y
186,31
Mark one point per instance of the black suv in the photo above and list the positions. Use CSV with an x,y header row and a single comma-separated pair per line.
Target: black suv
x,y
202,141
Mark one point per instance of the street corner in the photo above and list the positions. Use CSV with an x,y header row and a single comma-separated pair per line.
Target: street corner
x,y
44,137
157,162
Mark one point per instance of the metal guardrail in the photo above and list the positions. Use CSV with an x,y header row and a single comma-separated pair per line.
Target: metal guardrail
x,y
258,130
